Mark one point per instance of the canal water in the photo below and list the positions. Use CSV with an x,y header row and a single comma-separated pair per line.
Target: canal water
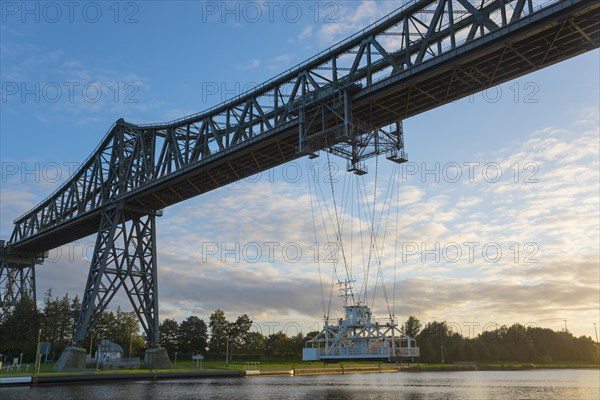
x,y
477,385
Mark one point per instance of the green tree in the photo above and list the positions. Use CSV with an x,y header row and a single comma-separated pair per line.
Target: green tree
x,y
311,335
435,332
280,345
429,352
431,339
49,318
456,351
297,344
75,309
106,326
169,332
120,327
238,331
193,335
65,321
219,333
58,320
481,350
412,327
19,330
127,330
254,344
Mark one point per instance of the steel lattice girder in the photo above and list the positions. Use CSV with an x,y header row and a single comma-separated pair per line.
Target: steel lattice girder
x,y
15,283
124,257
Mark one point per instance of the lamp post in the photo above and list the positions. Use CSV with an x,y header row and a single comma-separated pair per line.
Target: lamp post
x,y
130,342
596,332
227,353
442,347
38,356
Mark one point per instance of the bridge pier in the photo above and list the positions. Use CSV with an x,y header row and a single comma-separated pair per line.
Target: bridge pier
x,y
124,258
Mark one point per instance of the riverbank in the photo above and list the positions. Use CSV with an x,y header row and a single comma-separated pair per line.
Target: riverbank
x,y
239,370
115,376
467,385
89,376
494,367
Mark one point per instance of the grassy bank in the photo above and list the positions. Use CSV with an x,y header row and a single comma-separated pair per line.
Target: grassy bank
x,y
188,366
301,368
506,366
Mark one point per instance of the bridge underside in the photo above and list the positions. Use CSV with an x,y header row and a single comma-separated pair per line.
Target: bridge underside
x,y
505,56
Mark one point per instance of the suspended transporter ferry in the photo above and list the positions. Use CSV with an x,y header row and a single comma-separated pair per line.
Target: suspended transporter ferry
x,y
359,336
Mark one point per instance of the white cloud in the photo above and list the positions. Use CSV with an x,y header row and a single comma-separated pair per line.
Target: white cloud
x,y
306,33
252,64
61,87
350,18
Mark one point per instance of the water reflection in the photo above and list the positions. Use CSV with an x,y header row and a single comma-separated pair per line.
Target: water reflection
x,y
541,384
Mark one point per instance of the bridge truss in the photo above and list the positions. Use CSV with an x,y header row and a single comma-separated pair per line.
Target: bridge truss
x,y
349,100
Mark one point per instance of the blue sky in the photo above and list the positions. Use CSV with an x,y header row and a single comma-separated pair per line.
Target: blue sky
x,y
66,77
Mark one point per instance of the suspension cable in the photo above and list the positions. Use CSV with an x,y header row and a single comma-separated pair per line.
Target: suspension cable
x,y
337,221
315,236
339,231
379,254
396,244
334,261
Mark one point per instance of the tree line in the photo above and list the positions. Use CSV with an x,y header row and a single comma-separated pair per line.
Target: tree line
x,y
436,340
56,320
19,328
517,343
221,338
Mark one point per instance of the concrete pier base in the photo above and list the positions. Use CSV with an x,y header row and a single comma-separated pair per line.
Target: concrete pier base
x,y
71,358
157,359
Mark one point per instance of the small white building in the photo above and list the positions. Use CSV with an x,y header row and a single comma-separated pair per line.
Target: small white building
x,y
108,351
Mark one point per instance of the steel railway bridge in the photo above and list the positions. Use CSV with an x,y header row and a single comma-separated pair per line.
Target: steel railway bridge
x,y
349,100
